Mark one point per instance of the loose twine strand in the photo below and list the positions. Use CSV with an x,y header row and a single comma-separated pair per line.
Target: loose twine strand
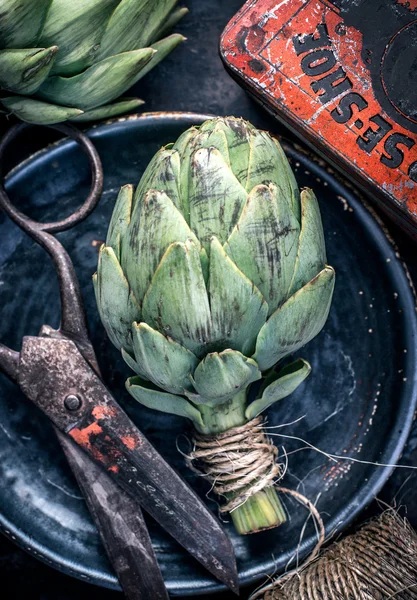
x,y
239,462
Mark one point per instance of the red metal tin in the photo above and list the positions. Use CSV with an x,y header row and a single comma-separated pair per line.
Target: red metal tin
x,y
343,75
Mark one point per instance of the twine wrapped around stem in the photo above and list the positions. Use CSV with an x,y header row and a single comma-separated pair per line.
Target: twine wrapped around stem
x,y
239,462
379,562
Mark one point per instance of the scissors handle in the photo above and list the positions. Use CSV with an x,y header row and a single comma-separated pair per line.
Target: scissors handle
x,y
53,372
118,518
73,317
55,368
33,227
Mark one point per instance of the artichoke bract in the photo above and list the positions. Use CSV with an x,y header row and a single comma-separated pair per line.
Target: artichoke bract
x,y
213,271
72,59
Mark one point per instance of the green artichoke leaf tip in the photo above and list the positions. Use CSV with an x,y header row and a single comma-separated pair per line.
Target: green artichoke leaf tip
x,y
278,386
150,396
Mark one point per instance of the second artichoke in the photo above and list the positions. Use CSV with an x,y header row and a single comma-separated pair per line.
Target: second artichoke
x,y
72,59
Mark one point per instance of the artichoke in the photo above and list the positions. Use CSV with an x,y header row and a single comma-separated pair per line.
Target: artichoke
x,y
71,59
213,272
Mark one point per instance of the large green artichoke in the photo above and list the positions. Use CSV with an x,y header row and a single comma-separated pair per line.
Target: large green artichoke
x,y
213,271
70,59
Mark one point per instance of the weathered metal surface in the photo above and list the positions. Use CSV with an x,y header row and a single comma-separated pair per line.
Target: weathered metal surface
x,y
342,75
9,362
50,369
58,372
119,519
124,533
73,322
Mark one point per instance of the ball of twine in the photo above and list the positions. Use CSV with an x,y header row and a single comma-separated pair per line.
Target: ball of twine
x,y
378,562
239,462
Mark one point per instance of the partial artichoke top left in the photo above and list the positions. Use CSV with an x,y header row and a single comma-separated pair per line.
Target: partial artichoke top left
x,y
71,59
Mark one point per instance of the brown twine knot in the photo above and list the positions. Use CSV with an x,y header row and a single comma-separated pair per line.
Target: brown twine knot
x,y
379,562
240,461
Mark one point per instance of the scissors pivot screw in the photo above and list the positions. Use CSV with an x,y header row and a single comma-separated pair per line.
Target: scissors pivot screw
x,y
72,402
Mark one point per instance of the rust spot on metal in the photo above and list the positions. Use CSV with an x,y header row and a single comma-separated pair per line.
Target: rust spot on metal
x,y
83,436
410,4
103,412
98,456
129,441
326,70
113,453
257,66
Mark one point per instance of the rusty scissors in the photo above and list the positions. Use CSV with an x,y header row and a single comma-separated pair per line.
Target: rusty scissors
x,y
117,469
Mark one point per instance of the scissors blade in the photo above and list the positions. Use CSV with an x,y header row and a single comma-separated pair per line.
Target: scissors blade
x,y
121,526
118,517
50,372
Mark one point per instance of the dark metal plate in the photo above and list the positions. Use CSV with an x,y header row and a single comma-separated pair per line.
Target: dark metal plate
x,y
359,400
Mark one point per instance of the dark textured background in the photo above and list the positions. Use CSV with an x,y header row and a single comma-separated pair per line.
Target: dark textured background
x,y
191,79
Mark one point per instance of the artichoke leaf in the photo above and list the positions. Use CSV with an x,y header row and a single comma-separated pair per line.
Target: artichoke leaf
x,y
205,266
238,310
162,360
264,243
287,380
107,111
76,26
176,303
212,137
161,224
269,165
311,254
170,22
35,111
23,71
21,22
238,136
133,24
162,49
116,302
221,375
183,143
162,174
297,321
148,395
291,180
216,197
120,218
100,83
130,361
197,399
184,147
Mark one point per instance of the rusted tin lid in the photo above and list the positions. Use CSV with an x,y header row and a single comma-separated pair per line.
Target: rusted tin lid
x,y
343,75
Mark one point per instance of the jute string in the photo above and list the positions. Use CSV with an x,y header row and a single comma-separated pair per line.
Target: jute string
x,y
379,562
239,462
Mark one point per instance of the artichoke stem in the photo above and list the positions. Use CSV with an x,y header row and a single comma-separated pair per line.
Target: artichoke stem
x,y
223,417
263,510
